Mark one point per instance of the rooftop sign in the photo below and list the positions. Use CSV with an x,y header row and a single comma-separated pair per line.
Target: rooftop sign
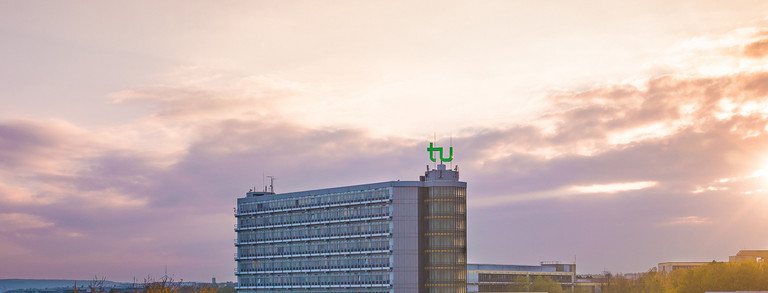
x,y
432,149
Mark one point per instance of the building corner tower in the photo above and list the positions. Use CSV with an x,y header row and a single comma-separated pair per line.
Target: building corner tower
x,y
443,234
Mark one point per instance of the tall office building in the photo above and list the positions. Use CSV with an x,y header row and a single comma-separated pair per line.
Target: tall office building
x,y
396,236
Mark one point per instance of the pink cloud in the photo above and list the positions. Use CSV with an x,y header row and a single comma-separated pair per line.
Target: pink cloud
x,y
756,49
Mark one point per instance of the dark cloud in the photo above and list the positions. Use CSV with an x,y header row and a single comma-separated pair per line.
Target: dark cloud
x,y
27,143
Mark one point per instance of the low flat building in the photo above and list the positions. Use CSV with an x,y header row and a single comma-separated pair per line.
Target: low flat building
x,y
741,256
505,278
669,267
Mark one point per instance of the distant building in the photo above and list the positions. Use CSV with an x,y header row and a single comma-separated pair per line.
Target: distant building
x,y
631,276
504,278
749,255
741,256
669,267
112,288
396,236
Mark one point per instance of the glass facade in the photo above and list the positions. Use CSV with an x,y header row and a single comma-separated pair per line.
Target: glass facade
x,y
444,222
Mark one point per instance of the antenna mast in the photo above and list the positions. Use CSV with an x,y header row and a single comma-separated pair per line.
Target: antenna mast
x,y
450,144
271,184
434,140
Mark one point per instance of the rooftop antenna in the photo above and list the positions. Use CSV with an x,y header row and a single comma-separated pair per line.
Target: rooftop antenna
x,y
263,183
434,139
271,184
450,144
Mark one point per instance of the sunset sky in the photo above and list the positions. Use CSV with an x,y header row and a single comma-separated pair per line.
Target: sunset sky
x,y
620,134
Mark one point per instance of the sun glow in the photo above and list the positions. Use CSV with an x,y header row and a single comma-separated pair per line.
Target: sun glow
x,y
762,176
759,173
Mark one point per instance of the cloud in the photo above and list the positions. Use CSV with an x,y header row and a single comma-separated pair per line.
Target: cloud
x,y
690,220
678,131
690,141
18,195
604,134
756,49
674,134
163,186
561,193
10,222
41,146
194,95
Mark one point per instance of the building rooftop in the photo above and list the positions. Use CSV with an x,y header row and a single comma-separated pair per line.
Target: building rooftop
x,y
520,268
440,176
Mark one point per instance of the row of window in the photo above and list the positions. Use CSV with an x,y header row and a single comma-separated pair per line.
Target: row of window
x,y
447,225
331,230
512,278
449,289
330,246
312,216
315,279
447,192
316,290
314,263
446,276
446,259
315,200
446,242
446,207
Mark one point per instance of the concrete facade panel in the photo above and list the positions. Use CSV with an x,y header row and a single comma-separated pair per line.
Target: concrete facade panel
x,y
405,239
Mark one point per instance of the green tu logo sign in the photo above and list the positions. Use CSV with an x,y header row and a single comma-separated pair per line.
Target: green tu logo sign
x,y
432,149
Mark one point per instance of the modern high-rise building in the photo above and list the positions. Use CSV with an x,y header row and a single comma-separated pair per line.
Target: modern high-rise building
x,y
396,236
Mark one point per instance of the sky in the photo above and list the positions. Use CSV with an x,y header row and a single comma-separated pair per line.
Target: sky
x,y
617,134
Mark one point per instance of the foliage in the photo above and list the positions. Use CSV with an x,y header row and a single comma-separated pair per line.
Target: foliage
x,y
744,276
539,284
203,289
151,285
163,285
545,284
522,284
226,289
